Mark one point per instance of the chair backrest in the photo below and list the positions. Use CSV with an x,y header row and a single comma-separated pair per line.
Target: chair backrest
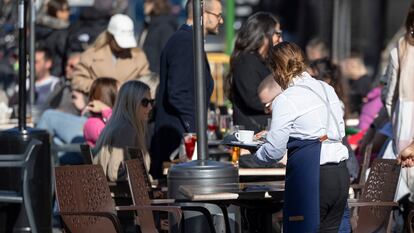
x,y
380,187
86,153
365,163
83,188
141,190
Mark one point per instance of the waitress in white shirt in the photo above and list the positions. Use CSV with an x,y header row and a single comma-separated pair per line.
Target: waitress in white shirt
x,y
307,120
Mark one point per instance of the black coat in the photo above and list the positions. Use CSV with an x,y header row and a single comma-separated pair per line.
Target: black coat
x,y
175,102
249,71
158,31
55,41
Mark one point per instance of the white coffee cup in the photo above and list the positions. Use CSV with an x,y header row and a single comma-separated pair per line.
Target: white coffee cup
x,y
245,136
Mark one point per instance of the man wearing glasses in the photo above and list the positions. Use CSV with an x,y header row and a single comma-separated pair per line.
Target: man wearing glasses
x,y
175,101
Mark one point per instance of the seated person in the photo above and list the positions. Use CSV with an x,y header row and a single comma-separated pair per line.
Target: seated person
x,y
44,82
125,128
267,91
102,97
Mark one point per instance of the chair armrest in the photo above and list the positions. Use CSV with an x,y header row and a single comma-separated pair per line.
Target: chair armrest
x,y
369,203
12,163
352,200
12,157
162,201
176,210
112,217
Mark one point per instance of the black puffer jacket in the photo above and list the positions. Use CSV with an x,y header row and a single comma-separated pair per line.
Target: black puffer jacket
x,y
51,33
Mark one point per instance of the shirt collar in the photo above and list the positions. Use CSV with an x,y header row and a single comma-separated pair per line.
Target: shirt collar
x,y
299,79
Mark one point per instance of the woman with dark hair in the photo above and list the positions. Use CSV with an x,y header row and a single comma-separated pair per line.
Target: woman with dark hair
x,y
248,69
125,128
307,119
101,100
158,21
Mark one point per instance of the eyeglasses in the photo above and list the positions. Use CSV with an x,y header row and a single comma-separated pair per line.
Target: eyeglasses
x,y
145,102
218,16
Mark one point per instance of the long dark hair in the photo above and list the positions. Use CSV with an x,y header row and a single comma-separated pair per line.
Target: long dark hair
x,y
125,111
250,38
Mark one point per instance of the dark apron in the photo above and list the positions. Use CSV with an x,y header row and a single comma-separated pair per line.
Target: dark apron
x,y
301,211
301,197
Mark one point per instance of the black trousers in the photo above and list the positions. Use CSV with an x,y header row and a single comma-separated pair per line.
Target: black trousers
x,y
334,186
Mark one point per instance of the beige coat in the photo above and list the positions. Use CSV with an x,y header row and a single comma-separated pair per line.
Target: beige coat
x,y
100,63
113,159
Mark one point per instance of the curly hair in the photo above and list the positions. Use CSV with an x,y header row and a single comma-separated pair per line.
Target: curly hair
x,y
286,60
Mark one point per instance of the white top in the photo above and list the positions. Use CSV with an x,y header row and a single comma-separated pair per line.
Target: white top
x,y
300,113
49,81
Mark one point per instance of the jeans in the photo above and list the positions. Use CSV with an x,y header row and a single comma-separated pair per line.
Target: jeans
x,y
64,127
345,226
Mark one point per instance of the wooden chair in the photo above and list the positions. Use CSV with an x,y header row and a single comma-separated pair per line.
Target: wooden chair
x,y
411,221
363,171
142,194
377,198
85,202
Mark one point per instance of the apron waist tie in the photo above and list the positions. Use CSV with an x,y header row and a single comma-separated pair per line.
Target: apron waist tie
x,y
325,138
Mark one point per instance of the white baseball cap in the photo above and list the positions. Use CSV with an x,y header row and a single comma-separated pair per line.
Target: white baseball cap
x,y
122,28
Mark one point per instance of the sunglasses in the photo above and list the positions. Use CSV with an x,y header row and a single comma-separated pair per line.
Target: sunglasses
x,y
145,102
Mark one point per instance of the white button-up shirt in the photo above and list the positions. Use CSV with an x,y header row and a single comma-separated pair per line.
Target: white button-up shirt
x,y
300,113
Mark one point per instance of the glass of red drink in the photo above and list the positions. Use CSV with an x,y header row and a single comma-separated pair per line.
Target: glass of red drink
x,y
189,143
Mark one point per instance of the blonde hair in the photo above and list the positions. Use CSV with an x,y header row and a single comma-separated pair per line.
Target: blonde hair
x,y
287,61
152,80
103,39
